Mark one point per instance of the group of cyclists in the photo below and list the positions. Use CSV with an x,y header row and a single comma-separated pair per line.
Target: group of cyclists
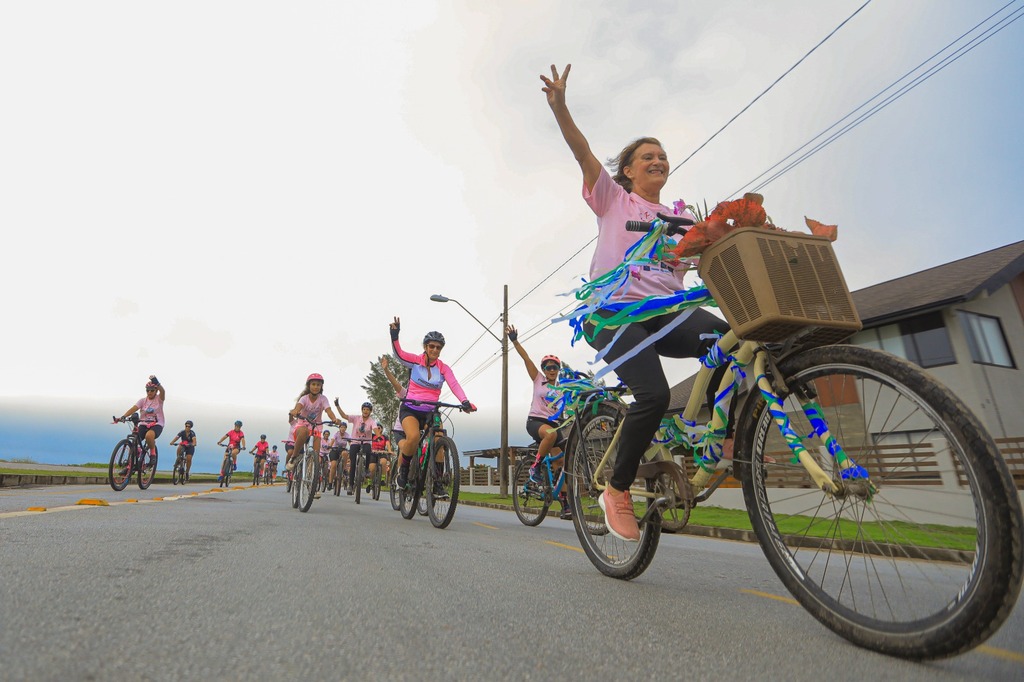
x,y
632,193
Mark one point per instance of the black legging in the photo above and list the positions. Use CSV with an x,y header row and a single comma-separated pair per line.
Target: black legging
x,y
353,455
646,379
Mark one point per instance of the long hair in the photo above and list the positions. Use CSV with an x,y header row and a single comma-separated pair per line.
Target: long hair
x,y
625,159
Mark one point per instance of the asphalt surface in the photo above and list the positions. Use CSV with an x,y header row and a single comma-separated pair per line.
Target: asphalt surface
x,y
238,585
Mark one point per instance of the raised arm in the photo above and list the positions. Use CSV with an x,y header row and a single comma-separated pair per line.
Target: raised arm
x,y
554,88
531,368
340,411
384,362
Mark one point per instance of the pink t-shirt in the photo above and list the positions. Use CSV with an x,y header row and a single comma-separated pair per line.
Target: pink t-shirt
x,y
544,398
361,430
613,206
339,439
151,411
313,407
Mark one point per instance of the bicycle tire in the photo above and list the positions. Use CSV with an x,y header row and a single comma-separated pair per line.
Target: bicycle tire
x,y
610,555
531,506
376,482
421,506
413,489
119,471
175,471
358,481
309,483
903,597
444,500
147,472
288,480
393,491
296,482
337,479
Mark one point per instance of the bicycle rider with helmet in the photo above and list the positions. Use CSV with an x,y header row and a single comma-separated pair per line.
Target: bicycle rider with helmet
x,y
236,441
151,409
272,459
259,453
360,437
338,453
427,376
310,406
540,423
187,446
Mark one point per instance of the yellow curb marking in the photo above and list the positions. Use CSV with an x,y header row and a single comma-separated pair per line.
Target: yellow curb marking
x,y
130,500
92,502
484,525
36,509
559,544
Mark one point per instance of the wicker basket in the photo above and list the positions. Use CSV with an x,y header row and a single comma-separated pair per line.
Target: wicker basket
x,y
773,285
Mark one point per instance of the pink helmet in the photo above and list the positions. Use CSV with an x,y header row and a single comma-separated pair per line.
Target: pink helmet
x,y
544,360
314,377
150,384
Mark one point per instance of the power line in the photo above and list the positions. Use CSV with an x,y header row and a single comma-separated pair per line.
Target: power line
x,y
776,82
949,59
551,274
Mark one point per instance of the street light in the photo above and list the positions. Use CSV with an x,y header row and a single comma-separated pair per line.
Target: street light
x,y
503,456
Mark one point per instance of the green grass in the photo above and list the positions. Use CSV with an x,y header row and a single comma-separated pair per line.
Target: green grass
x,y
894,532
20,460
49,472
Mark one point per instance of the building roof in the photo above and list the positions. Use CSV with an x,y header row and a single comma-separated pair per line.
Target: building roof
x,y
940,286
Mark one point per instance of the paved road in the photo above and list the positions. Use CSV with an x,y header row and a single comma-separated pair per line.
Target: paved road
x,y
238,585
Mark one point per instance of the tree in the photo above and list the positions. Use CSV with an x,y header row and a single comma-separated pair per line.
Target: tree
x,y
381,393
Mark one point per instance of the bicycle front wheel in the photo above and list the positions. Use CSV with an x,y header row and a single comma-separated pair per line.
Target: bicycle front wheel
x,y
147,471
360,463
309,483
529,501
925,560
410,496
610,555
376,480
119,471
442,488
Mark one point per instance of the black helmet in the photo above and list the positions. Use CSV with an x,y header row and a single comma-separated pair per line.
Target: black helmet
x,y
263,436
368,404
238,422
188,423
436,337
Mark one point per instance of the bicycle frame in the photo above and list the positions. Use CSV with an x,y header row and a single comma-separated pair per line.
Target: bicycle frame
x,y
746,353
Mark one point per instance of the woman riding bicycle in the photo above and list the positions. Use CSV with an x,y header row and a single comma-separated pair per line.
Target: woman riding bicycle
x,y
272,459
259,453
381,448
310,406
359,440
236,441
339,450
540,423
427,375
187,446
634,193
151,411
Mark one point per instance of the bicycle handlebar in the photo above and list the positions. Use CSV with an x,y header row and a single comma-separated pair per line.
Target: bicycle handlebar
x,y
674,224
410,401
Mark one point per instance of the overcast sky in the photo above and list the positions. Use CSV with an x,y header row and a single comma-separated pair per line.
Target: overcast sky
x,y
232,195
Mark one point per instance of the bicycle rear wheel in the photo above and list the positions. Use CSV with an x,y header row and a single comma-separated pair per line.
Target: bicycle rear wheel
x,y
611,556
442,488
147,471
393,491
296,482
308,484
912,566
529,502
119,471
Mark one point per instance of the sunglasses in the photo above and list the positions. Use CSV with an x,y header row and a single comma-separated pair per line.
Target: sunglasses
x,y
547,367
434,346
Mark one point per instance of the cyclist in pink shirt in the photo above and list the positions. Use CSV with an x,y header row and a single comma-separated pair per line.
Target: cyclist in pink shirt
x,y
427,376
151,413
360,437
236,441
309,407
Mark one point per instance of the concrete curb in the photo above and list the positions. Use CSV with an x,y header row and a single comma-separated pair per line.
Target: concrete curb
x,y
31,480
698,531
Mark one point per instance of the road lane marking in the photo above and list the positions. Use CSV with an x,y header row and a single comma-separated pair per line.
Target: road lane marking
x,y
484,525
559,544
767,595
36,509
94,502
1004,654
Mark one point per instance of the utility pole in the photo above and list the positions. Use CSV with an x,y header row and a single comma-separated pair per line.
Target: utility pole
x,y
503,458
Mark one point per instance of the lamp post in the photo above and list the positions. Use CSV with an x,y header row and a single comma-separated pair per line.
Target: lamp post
x,y
503,456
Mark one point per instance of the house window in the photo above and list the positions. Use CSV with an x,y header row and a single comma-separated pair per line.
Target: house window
x,y
986,340
926,341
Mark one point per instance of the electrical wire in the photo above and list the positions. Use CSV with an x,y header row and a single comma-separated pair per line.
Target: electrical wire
x,y
776,82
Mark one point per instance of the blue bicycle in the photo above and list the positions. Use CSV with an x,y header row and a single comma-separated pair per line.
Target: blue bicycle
x,y
532,499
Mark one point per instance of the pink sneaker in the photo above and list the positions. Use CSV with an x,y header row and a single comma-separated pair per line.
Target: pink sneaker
x,y
619,515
